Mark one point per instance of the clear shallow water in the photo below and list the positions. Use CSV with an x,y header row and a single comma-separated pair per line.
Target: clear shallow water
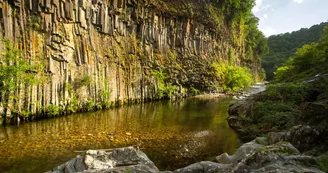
x,y
172,134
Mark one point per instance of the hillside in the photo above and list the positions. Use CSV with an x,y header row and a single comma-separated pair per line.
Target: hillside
x,y
283,46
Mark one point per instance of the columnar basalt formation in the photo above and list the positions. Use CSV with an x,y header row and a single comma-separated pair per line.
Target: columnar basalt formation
x,y
115,51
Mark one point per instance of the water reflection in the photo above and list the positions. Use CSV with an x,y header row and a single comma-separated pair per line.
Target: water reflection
x,y
164,130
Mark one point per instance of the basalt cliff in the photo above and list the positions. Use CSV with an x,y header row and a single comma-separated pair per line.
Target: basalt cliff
x,y
99,53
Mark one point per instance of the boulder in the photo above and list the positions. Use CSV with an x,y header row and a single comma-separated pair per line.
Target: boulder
x,y
257,156
254,156
241,152
303,137
118,160
281,157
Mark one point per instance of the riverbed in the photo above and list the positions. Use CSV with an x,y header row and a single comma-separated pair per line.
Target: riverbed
x,y
172,134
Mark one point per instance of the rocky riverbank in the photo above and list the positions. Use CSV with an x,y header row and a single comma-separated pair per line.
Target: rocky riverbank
x,y
291,112
258,155
299,147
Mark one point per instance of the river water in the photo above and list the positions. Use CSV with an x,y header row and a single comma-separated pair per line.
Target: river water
x,y
172,134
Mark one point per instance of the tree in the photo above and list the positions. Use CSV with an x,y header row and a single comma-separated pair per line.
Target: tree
x,y
283,46
309,60
14,71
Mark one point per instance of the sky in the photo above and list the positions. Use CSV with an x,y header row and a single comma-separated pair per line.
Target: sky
x,y
281,16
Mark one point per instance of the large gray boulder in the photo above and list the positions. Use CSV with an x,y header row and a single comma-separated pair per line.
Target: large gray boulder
x,y
119,160
255,156
281,157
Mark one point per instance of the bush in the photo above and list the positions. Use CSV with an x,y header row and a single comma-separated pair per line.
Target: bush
x,y
232,78
53,110
275,115
73,106
323,162
90,105
220,72
288,92
238,78
164,89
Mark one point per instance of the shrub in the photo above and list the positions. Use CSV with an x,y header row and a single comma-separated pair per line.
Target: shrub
x,y
90,105
288,92
220,71
323,162
237,78
231,57
275,115
73,106
164,89
194,91
232,78
82,81
53,110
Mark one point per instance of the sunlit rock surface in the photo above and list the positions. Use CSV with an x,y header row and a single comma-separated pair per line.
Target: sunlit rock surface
x,y
254,156
118,160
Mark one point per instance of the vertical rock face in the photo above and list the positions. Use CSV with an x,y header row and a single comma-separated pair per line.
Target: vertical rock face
x,y
114,51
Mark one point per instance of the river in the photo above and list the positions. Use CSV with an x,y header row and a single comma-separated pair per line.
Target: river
x,y
172,134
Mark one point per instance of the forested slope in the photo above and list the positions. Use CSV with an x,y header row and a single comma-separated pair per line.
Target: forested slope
x,y
283,46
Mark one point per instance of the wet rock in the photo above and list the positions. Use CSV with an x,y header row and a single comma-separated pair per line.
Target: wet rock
x,y
118,160
240,113
241,153
280,157
253,156
303,137
202,167
314,112
256,157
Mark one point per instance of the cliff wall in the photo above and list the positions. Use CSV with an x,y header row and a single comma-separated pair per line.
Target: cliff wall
x,y
100,52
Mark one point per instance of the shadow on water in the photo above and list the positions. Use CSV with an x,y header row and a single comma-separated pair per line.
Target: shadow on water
x,y
172,134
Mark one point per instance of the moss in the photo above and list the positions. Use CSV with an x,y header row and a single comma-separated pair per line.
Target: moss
x,y
323,162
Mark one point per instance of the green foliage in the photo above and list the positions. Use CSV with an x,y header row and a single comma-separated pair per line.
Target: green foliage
x,y
238,78
232,78
262,75
15,71
169,89
308,61
283,46
73,106
35,21
90,105
83,81
287,92
105,95
256,43
68,87
274,115
323,162
25,114
194,91
220,70
230,57
164,89
86,80
53,110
